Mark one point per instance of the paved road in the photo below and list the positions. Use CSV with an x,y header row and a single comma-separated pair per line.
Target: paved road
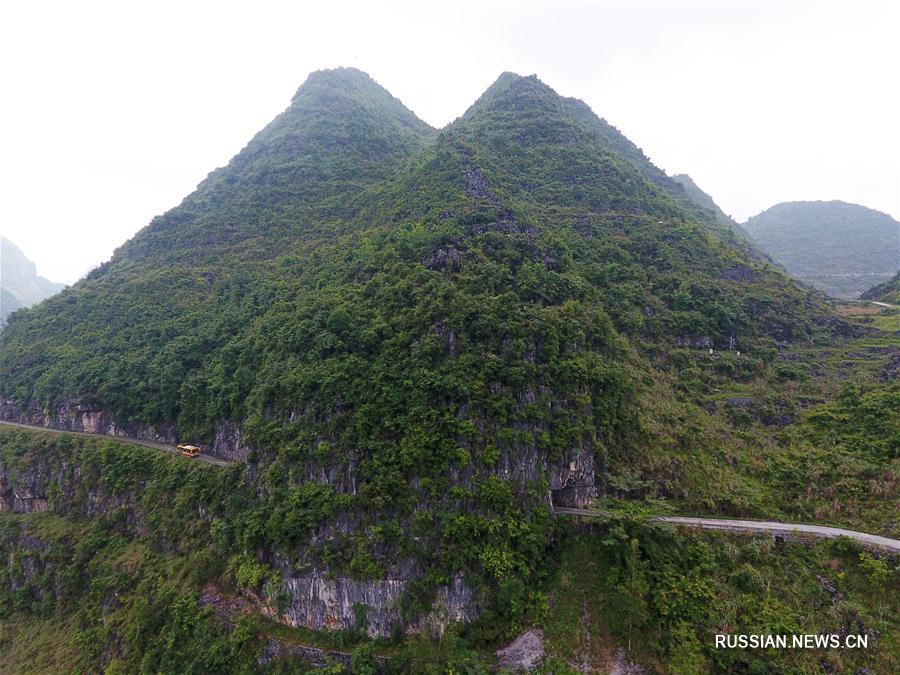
x,y
766,526
206,459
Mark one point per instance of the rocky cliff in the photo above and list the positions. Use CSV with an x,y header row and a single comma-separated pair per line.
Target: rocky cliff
x,y
83,484
228,441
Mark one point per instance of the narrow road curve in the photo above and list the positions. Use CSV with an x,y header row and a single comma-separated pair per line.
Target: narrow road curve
x,y
206,459
719,524
764,526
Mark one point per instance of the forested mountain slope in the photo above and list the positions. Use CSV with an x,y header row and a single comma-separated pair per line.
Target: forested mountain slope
x,y
323,198
415,340
356,291
355,280
840,248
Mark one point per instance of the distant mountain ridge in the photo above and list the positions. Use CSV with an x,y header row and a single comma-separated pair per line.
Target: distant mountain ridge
x,y
20,284
840,248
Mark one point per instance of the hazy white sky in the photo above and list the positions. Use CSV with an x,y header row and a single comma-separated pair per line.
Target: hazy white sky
x,y
113,111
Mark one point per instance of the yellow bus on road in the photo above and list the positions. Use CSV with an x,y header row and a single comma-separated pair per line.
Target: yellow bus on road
x,y
188,450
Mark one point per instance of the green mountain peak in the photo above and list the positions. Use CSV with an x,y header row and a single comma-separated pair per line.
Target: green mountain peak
x,y
341,133
516,99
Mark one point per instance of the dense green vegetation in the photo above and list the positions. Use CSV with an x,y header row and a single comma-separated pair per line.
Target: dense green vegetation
x,y
123,606
516,212
417,331
842,249
669,593
852,447
130,584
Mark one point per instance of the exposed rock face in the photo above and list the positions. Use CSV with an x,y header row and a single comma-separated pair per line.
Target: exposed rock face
x,y
25,561
524,654
621,665
274,650
59,487
444,258
455,603
320,602
229,608
476,185
79,417
25,496
891,370
698,342
228,441
573,484
740,273
315,599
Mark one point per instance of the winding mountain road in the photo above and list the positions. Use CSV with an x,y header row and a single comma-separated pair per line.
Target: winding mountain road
x,y
760,526
206,459
717,524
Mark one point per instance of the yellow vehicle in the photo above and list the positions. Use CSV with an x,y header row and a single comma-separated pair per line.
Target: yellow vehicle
x,y
188,450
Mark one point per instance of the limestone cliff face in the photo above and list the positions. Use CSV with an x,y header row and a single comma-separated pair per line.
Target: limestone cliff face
x,y
23,493
315,598
310,595
228,441
43,485
574,479
25,562
322,602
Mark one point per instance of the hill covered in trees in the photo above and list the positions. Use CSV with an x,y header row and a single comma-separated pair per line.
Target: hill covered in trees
x,y
413,343
840,248
20,284
888,292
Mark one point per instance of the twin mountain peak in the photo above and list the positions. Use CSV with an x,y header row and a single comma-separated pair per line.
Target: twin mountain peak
x,y
345,203
345,141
